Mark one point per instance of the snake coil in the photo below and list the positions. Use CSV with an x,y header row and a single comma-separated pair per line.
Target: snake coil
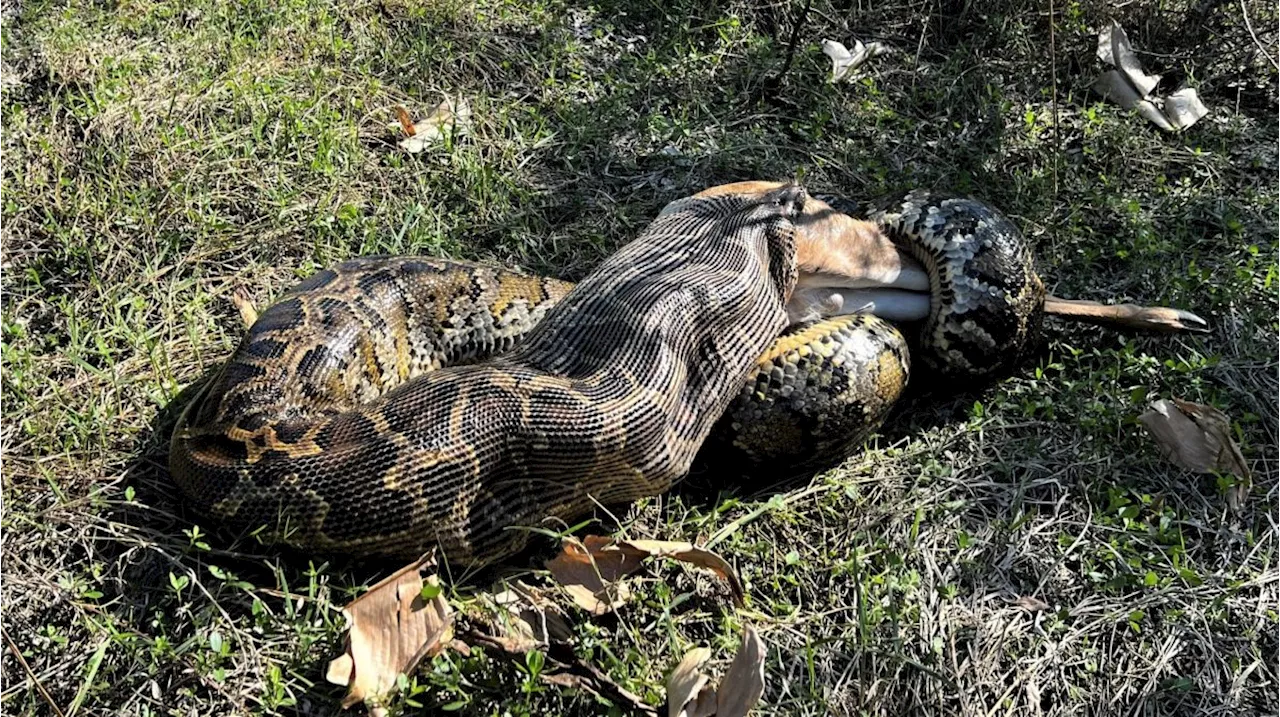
x,y
390,405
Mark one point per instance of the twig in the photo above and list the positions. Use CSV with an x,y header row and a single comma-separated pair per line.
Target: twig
x,y
1249,26
791,44
915,65
34,680
1053,73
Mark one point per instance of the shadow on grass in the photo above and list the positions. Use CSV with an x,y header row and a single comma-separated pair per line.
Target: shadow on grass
x,y
605,169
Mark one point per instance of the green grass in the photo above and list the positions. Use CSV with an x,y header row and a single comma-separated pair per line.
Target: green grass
x,y
159,158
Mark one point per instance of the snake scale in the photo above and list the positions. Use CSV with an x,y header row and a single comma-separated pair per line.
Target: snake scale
x,y
395,404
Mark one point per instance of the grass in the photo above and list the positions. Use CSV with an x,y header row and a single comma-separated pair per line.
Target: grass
x,y
160,157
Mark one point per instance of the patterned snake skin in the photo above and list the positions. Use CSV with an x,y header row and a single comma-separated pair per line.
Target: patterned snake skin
x,y
391,405
986,299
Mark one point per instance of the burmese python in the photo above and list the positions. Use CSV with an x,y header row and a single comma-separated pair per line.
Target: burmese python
x,y
393,404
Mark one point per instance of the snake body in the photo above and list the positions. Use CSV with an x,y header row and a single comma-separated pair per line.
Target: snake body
x,y
394,404
987,299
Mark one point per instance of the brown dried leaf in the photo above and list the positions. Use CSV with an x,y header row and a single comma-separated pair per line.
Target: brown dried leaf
x,y
743,684
690,694
391,629
687,683
591,571
704,706
688,553
248,314
522,618
1031,603
1198,437
591,583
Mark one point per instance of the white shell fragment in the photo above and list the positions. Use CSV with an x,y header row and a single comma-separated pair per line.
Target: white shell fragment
x,y
1133,89
450,117
844,64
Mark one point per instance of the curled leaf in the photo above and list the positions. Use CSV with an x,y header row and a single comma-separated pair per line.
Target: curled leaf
x,y
743,684
450,117
1114,86
1198,437
690,693
591,577
1133,89
686,552
844,64
1115,49
686,685
391,628
591,571
244,306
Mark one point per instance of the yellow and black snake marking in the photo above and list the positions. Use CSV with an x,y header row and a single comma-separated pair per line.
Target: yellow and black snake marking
x,y
814,396
987,299
329,426
392,404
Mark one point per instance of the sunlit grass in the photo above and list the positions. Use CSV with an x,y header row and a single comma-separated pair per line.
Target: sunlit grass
x,y
159,158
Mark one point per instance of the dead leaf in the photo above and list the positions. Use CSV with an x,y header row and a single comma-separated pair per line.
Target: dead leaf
x,y
1115,49
391,628
449,118
1031,603
592,581
523,618
690,694
687,553
743,684
1195,436
248,314
1198,437
704,706
1114,86
1132,88
844,64
591,571
687,683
